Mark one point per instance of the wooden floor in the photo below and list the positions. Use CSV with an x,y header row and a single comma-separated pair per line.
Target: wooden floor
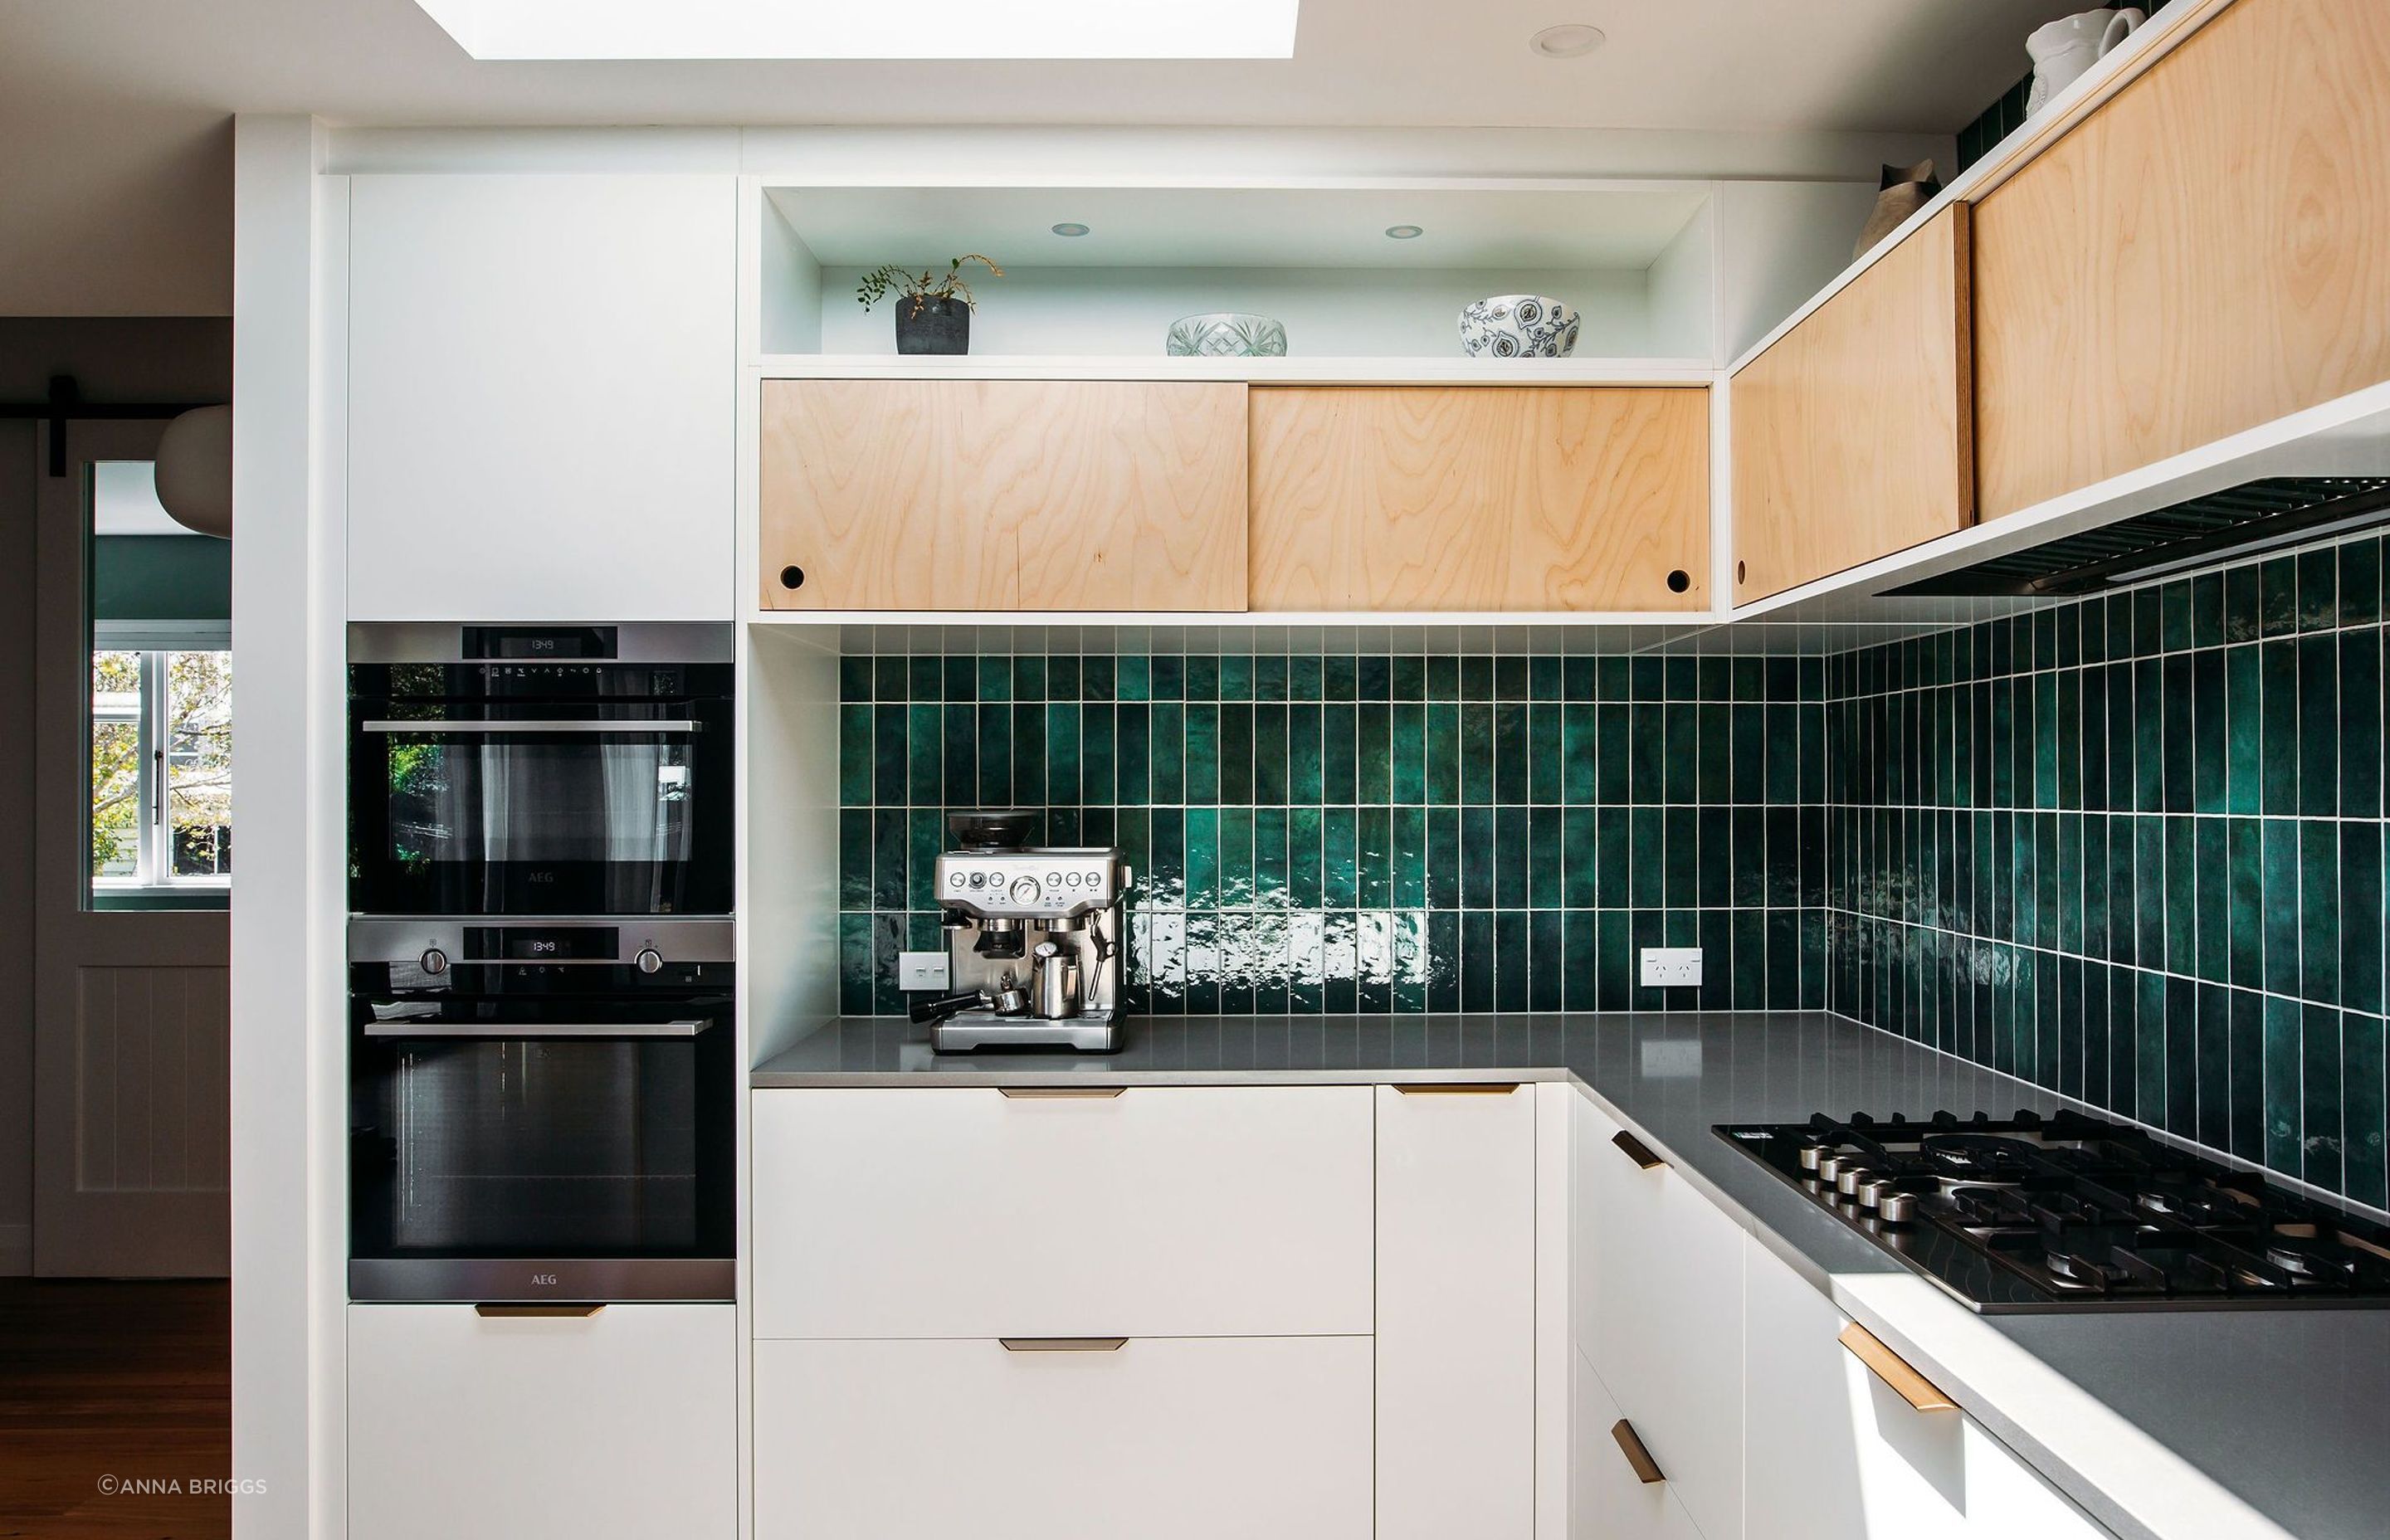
x,y
124,1381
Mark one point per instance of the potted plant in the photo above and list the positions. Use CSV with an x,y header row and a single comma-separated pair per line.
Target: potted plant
x,y
933,310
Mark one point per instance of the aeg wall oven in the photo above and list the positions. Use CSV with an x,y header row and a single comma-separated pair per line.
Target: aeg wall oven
x,y
541,1110
540,769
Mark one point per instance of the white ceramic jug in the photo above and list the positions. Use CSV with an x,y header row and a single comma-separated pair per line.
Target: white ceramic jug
x,y
2066,47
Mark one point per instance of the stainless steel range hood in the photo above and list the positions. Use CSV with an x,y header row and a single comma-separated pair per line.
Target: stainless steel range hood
x,y
2220,526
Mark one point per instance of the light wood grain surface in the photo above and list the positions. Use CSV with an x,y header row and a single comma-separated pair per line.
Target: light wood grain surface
x,y
2208,251
1004,494
1425,499
1852,434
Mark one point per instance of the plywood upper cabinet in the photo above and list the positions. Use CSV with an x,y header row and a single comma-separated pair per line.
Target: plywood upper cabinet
x,y
1852,433
1475,498
2208,251
1003,495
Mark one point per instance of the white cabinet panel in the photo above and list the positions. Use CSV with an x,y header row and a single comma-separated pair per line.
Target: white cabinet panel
x,y
541,410
618,1426
1835,1451
1162,1439
1607,1499
1660,1318
1161,1212
1455,1313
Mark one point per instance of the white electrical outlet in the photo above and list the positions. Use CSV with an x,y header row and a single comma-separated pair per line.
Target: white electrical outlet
x,y
1672,967
921,970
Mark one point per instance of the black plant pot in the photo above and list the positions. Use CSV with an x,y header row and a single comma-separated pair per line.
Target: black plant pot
x,y
934,326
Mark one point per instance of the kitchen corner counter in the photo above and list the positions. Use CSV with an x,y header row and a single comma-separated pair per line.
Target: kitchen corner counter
x,y
2170,1425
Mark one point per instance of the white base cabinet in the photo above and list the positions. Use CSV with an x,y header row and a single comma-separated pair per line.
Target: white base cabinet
x,y
1456,1313
617,1426
1154,1212
1160,1438
1835,1451
1658,1277
1607,1500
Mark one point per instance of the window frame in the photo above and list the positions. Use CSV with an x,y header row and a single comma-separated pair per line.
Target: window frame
x,y
153,874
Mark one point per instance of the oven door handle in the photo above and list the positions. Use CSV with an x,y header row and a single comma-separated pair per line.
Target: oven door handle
x,y
535,1029
530,725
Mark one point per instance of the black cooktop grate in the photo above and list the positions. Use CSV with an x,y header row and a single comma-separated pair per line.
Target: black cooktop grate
x,y
2069,1212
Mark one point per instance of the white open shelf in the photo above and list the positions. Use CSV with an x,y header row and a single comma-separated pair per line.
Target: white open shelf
x,y
1637,259
1456,370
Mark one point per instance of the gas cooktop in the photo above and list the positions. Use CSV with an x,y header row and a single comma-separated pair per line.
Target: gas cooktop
x,y
2071,1213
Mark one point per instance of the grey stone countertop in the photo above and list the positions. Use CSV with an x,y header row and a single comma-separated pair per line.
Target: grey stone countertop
x,y
2289,1410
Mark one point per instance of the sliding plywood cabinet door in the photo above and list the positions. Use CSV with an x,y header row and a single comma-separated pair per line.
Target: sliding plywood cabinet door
x,y
1852,433
2208,251
1002,495
1480,498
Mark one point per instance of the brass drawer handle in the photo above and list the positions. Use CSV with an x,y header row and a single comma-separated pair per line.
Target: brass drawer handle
x,y
1630,1443
545,1311
1059,1093
1062,1345
1456,1087
1895,1370
1637,1150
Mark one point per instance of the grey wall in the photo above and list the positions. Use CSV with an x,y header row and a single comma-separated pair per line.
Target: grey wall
x,y
113,359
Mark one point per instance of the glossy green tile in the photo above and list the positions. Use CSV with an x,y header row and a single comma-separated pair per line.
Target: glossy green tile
x,y
2318,589
1235,889
2358,911
2278,726
2319,911
854,755
2362,1117
1339,750
2279,849
1272,762
1236,753
1340,677
1512,857
992,734
2358,722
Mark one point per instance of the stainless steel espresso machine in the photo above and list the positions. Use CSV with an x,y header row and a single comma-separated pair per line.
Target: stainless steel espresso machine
x,y
1034,940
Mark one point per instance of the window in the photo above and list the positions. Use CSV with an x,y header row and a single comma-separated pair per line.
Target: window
x,y
161,769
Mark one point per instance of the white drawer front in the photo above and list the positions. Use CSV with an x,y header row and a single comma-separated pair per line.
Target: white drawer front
x,y
1165,1211
1162,1439
618,1426
1607,1499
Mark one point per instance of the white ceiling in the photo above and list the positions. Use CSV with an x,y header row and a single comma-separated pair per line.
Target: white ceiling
x,y
115,153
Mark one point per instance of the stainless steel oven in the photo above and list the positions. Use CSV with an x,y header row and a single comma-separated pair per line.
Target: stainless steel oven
x,y
540,769
541,1109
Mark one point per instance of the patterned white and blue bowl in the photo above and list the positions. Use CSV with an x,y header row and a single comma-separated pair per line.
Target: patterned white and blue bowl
x,y
1226,333
1518,325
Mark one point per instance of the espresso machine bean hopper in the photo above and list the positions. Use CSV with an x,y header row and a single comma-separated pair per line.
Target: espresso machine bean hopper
x,y
1034,940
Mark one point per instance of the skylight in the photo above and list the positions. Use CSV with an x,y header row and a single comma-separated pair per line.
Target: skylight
x,y
842,29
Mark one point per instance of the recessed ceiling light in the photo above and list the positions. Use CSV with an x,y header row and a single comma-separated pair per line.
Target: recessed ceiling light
x,y
926,29
1070,227
1405,232
1569,40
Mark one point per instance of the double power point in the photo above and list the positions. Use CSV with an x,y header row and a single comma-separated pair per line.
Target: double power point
x,y
1671,967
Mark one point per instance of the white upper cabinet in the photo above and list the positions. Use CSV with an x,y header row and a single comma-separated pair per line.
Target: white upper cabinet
x,y
541,412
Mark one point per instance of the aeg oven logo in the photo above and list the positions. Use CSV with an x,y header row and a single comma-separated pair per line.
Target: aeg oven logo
x,y
543,1280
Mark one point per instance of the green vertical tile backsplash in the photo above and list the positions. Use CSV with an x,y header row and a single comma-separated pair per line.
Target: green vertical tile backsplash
x,y
2132,848
1367,833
